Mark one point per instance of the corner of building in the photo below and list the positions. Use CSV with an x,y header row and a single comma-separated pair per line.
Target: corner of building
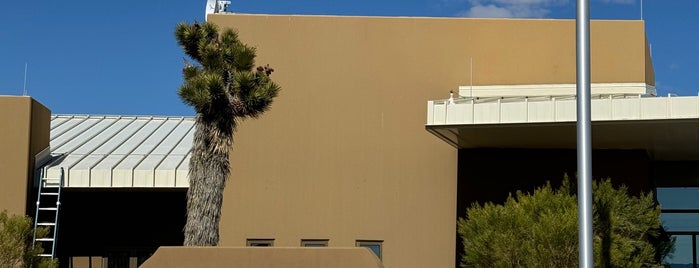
x,y
25,125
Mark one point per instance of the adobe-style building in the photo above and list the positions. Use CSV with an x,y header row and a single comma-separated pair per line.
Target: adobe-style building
x,y
350,154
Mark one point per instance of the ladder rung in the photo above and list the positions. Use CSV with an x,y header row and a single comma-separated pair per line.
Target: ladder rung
x,y
46,224
45,239
55,209
46,255
49,193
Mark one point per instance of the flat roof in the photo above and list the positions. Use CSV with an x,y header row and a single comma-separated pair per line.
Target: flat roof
x,y
120,151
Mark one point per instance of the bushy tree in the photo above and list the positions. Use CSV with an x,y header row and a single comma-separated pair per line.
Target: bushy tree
x,y
223,86
541,230
16,249
628,231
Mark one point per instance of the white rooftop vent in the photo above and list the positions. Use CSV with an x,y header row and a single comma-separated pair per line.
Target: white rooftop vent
x,y
216,6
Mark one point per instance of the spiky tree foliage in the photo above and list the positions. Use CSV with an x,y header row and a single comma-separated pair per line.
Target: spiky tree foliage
x,y
223,87
540,230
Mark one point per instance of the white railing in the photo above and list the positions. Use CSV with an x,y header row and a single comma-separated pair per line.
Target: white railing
x,y
495,110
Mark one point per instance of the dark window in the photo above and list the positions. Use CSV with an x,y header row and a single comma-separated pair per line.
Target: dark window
x,y
260,242
680,217
314,242
375,246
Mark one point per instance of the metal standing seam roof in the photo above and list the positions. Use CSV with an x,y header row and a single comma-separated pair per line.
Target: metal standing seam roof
x,y
120,151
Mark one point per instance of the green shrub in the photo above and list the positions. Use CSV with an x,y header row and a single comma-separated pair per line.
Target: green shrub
x,y
541,230
16,250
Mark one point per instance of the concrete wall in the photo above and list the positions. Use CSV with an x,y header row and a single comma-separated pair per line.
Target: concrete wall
x,y
24,132
343,154
195,257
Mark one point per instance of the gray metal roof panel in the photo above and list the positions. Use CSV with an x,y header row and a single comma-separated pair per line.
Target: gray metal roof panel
x,y
115,151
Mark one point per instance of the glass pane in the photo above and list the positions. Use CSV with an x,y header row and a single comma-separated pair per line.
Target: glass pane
x,y
682,257
314,243
374,247
679,198
680,222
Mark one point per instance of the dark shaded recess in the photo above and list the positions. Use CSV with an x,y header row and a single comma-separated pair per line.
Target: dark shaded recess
x,y
120,222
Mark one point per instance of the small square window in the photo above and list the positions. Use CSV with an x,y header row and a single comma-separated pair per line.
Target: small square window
x,y
260,243
375,246
314,242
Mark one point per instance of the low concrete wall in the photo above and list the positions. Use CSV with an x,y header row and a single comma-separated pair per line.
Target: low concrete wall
x,y
257,257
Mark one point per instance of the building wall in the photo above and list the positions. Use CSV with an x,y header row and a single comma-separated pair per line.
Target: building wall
x,y
504,51
343,153
24,125
650,72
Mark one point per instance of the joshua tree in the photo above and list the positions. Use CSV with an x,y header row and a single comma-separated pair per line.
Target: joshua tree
x,y
223,88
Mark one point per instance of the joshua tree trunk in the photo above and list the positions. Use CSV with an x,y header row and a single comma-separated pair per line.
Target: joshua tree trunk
x,y
208,171
222,87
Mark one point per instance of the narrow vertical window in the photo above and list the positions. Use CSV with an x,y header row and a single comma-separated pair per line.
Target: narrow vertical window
x,y
375,246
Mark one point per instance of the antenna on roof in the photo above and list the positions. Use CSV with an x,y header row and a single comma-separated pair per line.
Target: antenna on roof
x,y
24,90
216,6
641,9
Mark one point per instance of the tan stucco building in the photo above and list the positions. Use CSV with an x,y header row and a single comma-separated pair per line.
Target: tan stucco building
x,y
350,154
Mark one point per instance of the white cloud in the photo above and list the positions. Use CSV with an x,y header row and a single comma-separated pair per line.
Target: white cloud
x,y
511,8
515,8
489,11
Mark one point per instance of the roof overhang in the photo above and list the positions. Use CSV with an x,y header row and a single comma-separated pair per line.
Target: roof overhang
x,y
675,139
668,128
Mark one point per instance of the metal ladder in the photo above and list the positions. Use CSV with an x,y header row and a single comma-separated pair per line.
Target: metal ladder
x,y
48,204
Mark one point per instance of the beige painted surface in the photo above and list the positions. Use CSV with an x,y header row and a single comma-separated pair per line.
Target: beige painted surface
x,y
504,51
219,257
343,154
23,133
87,262
551,90
650,72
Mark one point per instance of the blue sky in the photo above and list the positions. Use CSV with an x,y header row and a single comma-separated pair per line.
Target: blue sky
x,y
120,57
